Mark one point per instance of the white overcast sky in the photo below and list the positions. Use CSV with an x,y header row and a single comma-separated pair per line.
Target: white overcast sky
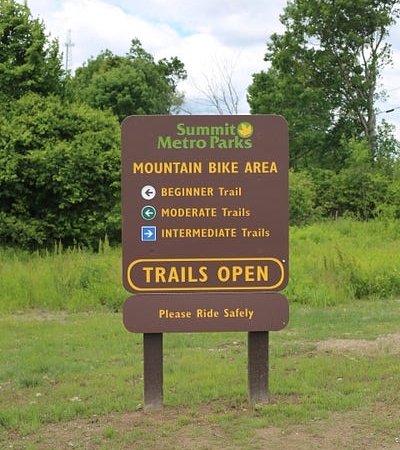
x,y
203,34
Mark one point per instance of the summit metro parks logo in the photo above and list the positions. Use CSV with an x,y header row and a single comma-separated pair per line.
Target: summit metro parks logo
x,y
229,136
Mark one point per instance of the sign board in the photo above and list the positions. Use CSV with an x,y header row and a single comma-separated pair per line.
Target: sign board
x,y
213,311
204,203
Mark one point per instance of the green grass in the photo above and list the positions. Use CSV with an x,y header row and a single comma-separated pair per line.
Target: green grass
x,y
68,280
330,263
59,367
334,262
65,356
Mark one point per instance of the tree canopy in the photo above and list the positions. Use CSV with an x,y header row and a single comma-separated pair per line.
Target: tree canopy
x,y
131,84
324,75
59,180
29,61
60,133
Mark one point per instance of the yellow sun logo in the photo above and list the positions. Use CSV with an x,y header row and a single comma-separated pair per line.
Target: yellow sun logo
x,y
245,129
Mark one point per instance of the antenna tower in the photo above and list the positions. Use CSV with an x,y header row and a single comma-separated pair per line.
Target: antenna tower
x,y
68,52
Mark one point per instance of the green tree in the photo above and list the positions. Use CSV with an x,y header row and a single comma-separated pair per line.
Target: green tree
x,y
361,189
302,198
324,73
305,110
29,62
60,172
391,207
131,84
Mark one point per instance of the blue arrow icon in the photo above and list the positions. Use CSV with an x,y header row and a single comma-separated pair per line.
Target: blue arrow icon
x,y
149,234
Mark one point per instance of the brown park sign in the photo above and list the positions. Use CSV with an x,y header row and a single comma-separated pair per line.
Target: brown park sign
x,y
204,203
200,312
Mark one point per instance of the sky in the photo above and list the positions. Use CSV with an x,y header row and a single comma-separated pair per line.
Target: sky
x,y
209,36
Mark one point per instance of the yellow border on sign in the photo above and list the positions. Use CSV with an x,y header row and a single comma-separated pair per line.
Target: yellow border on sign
x,y
204,288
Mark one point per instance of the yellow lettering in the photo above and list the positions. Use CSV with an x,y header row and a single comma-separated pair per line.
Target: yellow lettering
x,y
201,191
148,271
167,314
273,168
175,274
204,313
261,167
188,212
223,167
167,167
246,273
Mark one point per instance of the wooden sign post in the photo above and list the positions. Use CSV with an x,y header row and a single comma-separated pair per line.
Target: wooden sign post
x,y
205,232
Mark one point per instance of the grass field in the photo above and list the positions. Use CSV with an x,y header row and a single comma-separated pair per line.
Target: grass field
x,y
71,376
330,263
62,370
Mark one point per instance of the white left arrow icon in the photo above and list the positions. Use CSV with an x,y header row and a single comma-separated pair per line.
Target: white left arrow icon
x,y
148,212
148,192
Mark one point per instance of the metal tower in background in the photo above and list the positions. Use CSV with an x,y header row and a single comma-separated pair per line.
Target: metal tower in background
x,y
68,52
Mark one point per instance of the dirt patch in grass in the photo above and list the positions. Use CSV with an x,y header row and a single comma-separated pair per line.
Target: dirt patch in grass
x,y
389,344
350,430
184,429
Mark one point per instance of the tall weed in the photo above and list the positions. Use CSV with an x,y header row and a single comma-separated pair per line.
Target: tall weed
x,y
70,280
333,262
330,263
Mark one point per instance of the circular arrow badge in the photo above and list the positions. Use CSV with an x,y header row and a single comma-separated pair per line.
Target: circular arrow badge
x,y
148,192
148,212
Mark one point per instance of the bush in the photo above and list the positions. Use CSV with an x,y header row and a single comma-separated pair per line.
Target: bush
x,y
60,174
302,194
